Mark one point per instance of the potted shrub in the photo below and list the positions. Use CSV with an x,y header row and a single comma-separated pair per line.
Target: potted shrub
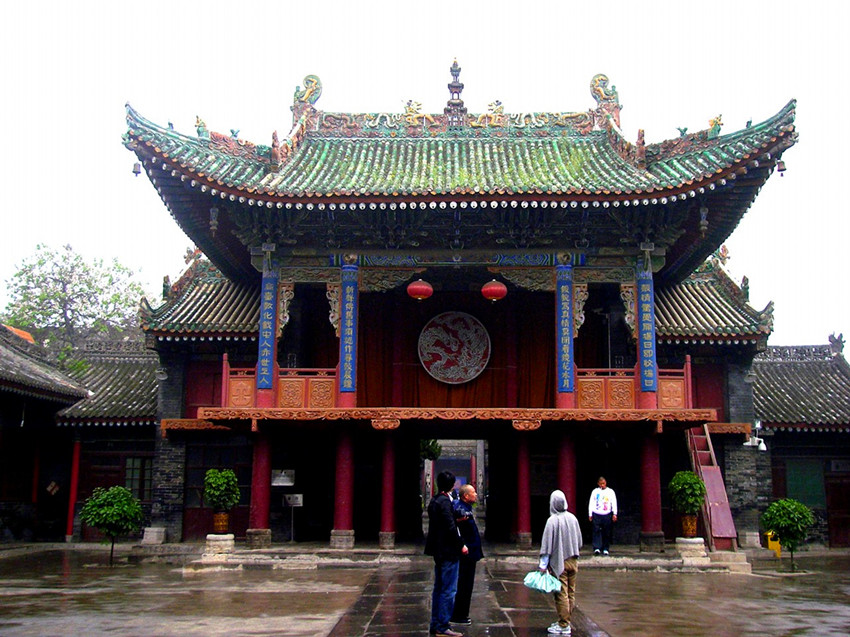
x,y
790,520
687,493
221,492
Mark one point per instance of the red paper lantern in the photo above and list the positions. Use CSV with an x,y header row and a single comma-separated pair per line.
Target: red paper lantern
x,y
494,290
419,290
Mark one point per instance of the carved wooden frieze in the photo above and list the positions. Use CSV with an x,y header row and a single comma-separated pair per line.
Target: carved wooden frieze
x,y
285,294
291,391
579,299
423,413
321,393
526,424
309,275
603,275
332,294
383,279
534,279
627,294
189,424
240,391
386,423
671,392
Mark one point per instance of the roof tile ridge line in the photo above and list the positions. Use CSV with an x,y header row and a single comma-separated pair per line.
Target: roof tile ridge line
x,y
33,351
200,270
134,116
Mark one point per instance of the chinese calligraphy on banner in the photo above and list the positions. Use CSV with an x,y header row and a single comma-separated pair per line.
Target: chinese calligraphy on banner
x,y
564,331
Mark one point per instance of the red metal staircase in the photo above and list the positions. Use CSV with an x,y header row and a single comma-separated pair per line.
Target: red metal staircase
x,y
716,514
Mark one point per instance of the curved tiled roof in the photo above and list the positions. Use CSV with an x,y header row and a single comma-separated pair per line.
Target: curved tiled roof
x,y
554,160
204,300
121,379
355,182
802,387
25,370
708,305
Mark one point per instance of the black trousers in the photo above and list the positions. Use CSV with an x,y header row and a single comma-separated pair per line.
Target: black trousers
x,y
465,582
603,527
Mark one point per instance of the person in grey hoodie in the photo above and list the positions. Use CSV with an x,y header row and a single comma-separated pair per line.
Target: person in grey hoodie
x,y
559,552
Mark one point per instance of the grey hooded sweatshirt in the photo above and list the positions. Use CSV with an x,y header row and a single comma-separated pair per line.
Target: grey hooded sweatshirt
x,y
561,536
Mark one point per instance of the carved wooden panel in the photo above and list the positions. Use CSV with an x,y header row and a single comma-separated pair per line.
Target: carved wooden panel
x,y
240,391
321,392
291,392
591,393
671,392
621,393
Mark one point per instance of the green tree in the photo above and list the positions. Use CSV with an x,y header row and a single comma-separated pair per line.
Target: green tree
x,y
221,489
113,512
790,520
64,300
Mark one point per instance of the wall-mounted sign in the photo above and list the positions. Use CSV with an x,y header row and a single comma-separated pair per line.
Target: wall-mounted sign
x,y
283,477
294,499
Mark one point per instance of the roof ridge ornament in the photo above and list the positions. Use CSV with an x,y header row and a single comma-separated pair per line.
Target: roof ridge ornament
x,y
455,111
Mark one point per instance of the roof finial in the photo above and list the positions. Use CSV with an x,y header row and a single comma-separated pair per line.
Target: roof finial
x,y
455,110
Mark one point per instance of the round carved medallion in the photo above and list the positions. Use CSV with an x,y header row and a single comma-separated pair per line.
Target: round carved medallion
x,y
454,347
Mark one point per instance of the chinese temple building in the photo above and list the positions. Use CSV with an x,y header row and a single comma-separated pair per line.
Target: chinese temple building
x,y
802,403
532,280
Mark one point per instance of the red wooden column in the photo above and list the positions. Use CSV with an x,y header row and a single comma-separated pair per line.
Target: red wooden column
x,y
342,535
651,534
259,532
567,471
73,488
386,536
523,509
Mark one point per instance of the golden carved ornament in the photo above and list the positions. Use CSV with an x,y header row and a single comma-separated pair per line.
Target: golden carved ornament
x,y
386,423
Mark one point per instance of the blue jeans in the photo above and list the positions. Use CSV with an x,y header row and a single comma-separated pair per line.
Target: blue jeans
x,y
443,597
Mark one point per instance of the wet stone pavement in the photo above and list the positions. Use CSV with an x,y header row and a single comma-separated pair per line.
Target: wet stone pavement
x,y
74,592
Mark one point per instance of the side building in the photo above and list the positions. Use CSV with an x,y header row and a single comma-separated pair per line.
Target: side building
x,y
802,402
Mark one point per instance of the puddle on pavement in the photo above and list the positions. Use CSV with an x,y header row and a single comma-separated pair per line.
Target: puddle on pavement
x,y
65,592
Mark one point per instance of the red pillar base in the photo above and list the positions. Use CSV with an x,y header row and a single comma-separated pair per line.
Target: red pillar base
x,y
342,538
651,542
386,539
259,538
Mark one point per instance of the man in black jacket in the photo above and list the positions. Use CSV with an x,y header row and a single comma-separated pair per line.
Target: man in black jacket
x,y
465,520
445,545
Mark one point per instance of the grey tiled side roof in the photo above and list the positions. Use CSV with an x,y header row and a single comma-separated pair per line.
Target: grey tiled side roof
x,y
708,305
802,386
25,370
122,380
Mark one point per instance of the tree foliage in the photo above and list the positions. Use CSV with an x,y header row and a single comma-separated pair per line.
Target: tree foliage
x,y
221,489
63,300
113,512
687,492
790,520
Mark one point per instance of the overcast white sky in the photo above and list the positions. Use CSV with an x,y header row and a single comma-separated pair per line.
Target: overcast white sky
x,y
68,68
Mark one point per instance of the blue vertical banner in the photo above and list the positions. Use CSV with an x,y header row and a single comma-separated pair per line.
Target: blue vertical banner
x,y
646,330
348,329
564,328
267,350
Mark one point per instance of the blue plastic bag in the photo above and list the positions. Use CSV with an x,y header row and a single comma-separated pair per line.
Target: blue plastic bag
x,y
543,582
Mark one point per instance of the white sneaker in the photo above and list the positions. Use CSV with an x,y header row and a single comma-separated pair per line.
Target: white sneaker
x,y
557,629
